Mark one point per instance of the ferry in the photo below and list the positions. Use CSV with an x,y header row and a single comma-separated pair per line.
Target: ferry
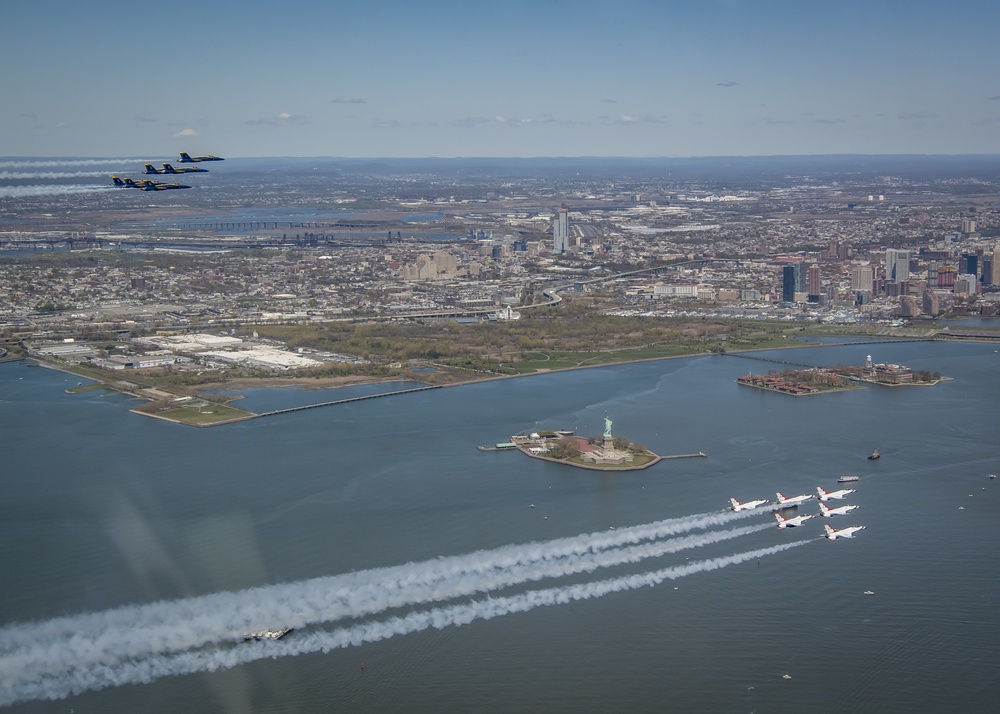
x,y
848,479
266,635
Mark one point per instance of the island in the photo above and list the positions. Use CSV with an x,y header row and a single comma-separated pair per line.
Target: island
x,y
603,453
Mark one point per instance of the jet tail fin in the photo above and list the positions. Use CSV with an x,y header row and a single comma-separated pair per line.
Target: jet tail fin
x,y
186,158
117,181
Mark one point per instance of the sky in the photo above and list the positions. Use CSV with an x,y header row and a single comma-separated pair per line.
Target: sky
x,y
444,78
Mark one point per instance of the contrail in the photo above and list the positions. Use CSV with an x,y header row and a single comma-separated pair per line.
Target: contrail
x,y
48,163
98,675
142,631
25,175
324,599
44,190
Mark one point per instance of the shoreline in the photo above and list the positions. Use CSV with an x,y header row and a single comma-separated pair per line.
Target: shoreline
x,y
323,383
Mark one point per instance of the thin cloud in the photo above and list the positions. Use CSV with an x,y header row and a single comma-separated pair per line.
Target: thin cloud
x,y
385,123
186,132
916,115
771,121
610,101
997,97
145,119
728,83
633,119
529,121
347,100
283,119
469,122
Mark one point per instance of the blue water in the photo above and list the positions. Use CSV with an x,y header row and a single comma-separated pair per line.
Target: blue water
x,y
104,508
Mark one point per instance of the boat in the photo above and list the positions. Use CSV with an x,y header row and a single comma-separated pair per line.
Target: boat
x,y
874,456
266,635
848,479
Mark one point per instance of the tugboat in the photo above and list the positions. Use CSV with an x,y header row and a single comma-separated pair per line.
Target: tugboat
x,y
874,456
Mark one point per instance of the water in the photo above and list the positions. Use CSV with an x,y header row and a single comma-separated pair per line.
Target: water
x,y
103,508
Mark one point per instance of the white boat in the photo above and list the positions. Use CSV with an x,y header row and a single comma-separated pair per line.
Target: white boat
x,y
848,479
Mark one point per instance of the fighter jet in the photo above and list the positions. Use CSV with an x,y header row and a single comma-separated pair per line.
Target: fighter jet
x,y
168,169
783,502
186,158
145,184
827,495
843,532
827,512
791,522
748,506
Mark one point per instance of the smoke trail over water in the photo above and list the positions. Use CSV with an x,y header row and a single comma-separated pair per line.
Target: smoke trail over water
x,y
142,643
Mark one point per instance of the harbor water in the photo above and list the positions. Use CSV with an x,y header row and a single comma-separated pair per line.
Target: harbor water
x,y
103,509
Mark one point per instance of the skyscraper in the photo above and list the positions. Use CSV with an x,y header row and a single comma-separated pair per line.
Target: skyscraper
x,y
792,279
812,283
560,231
861,278
897,265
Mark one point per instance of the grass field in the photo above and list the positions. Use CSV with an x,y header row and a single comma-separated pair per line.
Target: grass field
x,y
204,414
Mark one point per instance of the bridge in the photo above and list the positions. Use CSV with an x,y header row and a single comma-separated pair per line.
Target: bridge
x,y
346,400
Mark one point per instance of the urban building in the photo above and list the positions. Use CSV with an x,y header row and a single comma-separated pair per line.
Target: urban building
x,y
560,231
897,265
861,278
812,283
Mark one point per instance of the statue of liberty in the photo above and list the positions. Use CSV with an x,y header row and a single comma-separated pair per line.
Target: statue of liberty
x,y
607,427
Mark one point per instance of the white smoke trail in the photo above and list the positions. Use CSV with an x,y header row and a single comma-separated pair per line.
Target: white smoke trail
x,y
43,190
20,164
98,675
142,631
302,605
320,599
26,175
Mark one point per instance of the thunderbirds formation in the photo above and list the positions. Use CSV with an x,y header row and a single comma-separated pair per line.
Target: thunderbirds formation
x,y
148,185
783,502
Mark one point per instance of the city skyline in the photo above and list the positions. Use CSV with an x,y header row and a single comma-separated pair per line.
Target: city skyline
x,y
449,79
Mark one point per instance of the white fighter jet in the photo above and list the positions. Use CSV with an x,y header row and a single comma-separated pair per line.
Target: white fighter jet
x,y
843,532
827,512
792,522
748,506
783,502
827,495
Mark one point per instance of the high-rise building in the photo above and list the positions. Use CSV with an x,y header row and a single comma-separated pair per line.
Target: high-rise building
x,y
812,283
908,306
861,278
968,264
932,304
897,265
560,231
996,265
792,278
968,225
966,285
932,275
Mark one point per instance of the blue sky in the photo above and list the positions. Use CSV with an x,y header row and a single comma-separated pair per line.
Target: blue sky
x,y
544,78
